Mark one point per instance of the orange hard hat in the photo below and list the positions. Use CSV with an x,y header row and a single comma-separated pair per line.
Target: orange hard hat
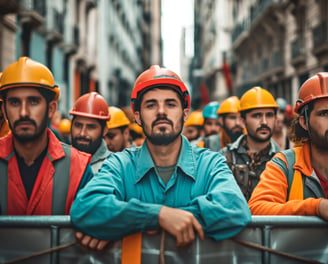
x,y
156,76
314,88
257,97
117,118
64,126
229,105
28,73
91,105
195,119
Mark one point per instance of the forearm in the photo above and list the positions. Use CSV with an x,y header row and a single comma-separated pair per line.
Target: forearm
x,y
270,196
222,214
112,219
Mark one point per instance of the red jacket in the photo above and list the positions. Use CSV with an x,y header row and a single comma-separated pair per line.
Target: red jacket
x,y
40,202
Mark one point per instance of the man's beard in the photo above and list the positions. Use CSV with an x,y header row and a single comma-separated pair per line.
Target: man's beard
x,y
90,148
162,138
25,138
233,135
258,139
320,142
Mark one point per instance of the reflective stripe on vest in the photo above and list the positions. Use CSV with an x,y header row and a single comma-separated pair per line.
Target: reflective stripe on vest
x,y
294,177
60,186
61,179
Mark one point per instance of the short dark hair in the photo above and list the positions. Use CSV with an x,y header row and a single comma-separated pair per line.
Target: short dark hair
x,y
47,94
297,133
163,87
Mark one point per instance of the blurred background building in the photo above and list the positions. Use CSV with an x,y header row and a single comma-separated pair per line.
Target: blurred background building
x,y
277,44
102,45
89,45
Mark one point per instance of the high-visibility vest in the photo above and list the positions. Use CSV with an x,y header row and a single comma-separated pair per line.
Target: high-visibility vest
x,y
295,178
60,185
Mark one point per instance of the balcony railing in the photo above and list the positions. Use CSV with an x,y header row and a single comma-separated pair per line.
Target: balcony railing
x,y
320,34
297,48
254,12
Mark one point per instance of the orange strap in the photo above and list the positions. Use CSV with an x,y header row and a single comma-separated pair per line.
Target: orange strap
x,y
201,144
296,190
131,249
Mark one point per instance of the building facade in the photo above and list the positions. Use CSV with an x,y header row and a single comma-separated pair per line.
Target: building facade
x,y
89,45
276,44
212,43
279,44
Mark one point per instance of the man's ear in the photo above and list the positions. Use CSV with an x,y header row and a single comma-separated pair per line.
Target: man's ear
x,y
52,108
3,111
185,114
302,122
105,130
137,117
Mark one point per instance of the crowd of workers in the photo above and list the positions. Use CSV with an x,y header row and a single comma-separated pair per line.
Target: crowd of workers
x,y
156,165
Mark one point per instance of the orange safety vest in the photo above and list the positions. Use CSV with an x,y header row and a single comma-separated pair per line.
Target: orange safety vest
x,y
56,184
295,178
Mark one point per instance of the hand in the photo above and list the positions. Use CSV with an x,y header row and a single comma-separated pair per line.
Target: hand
x,y
180,224
90,242
323,209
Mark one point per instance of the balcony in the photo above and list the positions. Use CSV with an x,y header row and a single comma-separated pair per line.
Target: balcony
x,y
56,33
297,52
320,38
261,9
33,13
277,62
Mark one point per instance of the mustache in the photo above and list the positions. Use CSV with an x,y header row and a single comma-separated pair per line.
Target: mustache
x,y
82,138
26,119
161,119
263,127
237,127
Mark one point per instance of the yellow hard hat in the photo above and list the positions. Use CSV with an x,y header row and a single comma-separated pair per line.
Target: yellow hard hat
x,y
136,128
195,119
117,119
257,97
28,73
229,105
64,126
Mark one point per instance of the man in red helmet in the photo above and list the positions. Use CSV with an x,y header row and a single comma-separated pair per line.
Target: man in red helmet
x,y
166,183
90,114
39,175
295,181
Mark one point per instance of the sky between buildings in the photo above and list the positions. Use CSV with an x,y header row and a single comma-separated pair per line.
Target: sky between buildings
x,y
176,14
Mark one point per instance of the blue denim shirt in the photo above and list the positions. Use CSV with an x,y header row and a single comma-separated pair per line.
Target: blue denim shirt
x,y
127,194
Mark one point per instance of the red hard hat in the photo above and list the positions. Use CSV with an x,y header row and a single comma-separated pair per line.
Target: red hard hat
x,y
91,105
314,88
156,75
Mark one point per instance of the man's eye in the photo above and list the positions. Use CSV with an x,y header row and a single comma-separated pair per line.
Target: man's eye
x,y
150,105
35,101
13,102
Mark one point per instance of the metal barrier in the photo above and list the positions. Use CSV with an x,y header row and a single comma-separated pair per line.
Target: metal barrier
x,y
303,236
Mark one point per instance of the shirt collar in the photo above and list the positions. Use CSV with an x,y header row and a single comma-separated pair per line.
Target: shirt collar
x,y
237,145
102,152
185,163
